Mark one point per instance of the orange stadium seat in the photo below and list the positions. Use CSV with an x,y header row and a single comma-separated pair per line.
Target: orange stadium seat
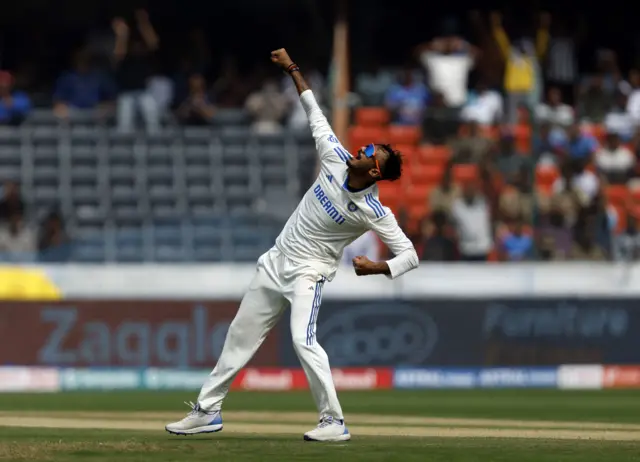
x,y
389,190
522,134
463,173
361,136
433,155
409,152
491,132
430,174
425,174
404,134
617,195
598,131
546,176
622,213
634,195
371,116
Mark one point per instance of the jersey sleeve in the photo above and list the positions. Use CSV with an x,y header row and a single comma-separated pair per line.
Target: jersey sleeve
x,y
327,144
389,232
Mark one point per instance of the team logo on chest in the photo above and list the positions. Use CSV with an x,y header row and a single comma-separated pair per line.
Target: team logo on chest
x,y
352,207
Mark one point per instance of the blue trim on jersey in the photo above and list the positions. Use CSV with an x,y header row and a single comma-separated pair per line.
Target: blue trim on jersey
x,y
315,307
341,153
375,205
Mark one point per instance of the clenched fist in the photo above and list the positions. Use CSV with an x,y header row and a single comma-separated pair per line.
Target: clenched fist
x,y
363,266
281,58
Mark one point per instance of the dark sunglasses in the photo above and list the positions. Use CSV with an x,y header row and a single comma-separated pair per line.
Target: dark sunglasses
x,y
370,152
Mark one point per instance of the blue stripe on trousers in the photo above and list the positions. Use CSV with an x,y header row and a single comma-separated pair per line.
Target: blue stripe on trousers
x,y
315,307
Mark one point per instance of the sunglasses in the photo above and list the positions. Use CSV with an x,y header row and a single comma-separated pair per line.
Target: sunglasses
x,y
370,152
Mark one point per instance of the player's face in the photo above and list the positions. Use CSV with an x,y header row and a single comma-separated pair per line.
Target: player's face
x,y
367,159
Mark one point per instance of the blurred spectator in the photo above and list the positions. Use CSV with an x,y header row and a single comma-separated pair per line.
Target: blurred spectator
x,y
435,243
483,105
508,160
298,117
366,245
579,181
53,240
83,87
18,242
515,243
14,105
561,54
618,120
615,161
132,57
407,99
230,90
547,143
594,102
448,61
268,107
584,245
197,109
371,85
440,122
471,146
554,110
472,218
608,68
626,246
517,198
553,236
521,61
442,196
633,103
11,203
161,89
578,144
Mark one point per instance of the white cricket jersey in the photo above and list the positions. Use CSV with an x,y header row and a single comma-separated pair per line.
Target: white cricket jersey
x,y
330,217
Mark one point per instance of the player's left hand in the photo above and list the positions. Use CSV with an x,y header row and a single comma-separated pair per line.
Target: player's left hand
x,y
362,265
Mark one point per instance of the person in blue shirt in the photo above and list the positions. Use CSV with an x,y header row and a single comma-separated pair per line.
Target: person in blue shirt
x,y
14,105
82,87
578,145
407,99
516,244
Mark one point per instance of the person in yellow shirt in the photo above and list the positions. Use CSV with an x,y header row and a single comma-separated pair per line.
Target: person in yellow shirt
x,y
522,69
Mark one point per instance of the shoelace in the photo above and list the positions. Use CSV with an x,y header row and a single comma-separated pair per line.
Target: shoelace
x,y
195,408
325,422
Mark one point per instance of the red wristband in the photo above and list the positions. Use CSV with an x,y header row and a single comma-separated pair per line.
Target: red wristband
x,y
292,68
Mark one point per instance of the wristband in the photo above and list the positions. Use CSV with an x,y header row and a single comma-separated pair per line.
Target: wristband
x,y
292,68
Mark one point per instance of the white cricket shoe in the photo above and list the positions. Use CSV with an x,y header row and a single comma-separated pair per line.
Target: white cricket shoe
x,y
329,429
197,421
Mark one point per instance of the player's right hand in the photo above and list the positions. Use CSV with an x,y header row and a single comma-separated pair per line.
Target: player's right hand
x,y
281,58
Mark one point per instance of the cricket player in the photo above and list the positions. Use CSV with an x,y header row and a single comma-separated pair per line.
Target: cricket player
x,y
341,205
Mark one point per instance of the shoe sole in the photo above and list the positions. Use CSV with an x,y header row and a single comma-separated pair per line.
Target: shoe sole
x,y
346,437
197,430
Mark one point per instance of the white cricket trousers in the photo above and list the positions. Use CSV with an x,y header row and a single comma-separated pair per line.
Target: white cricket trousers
x,y
278,282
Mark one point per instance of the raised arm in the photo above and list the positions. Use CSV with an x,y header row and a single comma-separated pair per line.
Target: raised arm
x,y
327,143
146,29
121,30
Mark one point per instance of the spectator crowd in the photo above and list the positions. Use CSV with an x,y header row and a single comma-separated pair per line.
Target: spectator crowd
x,y
520,155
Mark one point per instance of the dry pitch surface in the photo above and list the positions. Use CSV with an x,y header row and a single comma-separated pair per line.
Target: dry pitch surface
x,y
295,423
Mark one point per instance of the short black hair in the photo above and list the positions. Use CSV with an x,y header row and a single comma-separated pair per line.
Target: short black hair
x,y
392,169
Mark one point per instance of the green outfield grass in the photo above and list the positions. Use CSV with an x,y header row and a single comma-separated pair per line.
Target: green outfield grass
x,y
84,445
127,444
599,406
